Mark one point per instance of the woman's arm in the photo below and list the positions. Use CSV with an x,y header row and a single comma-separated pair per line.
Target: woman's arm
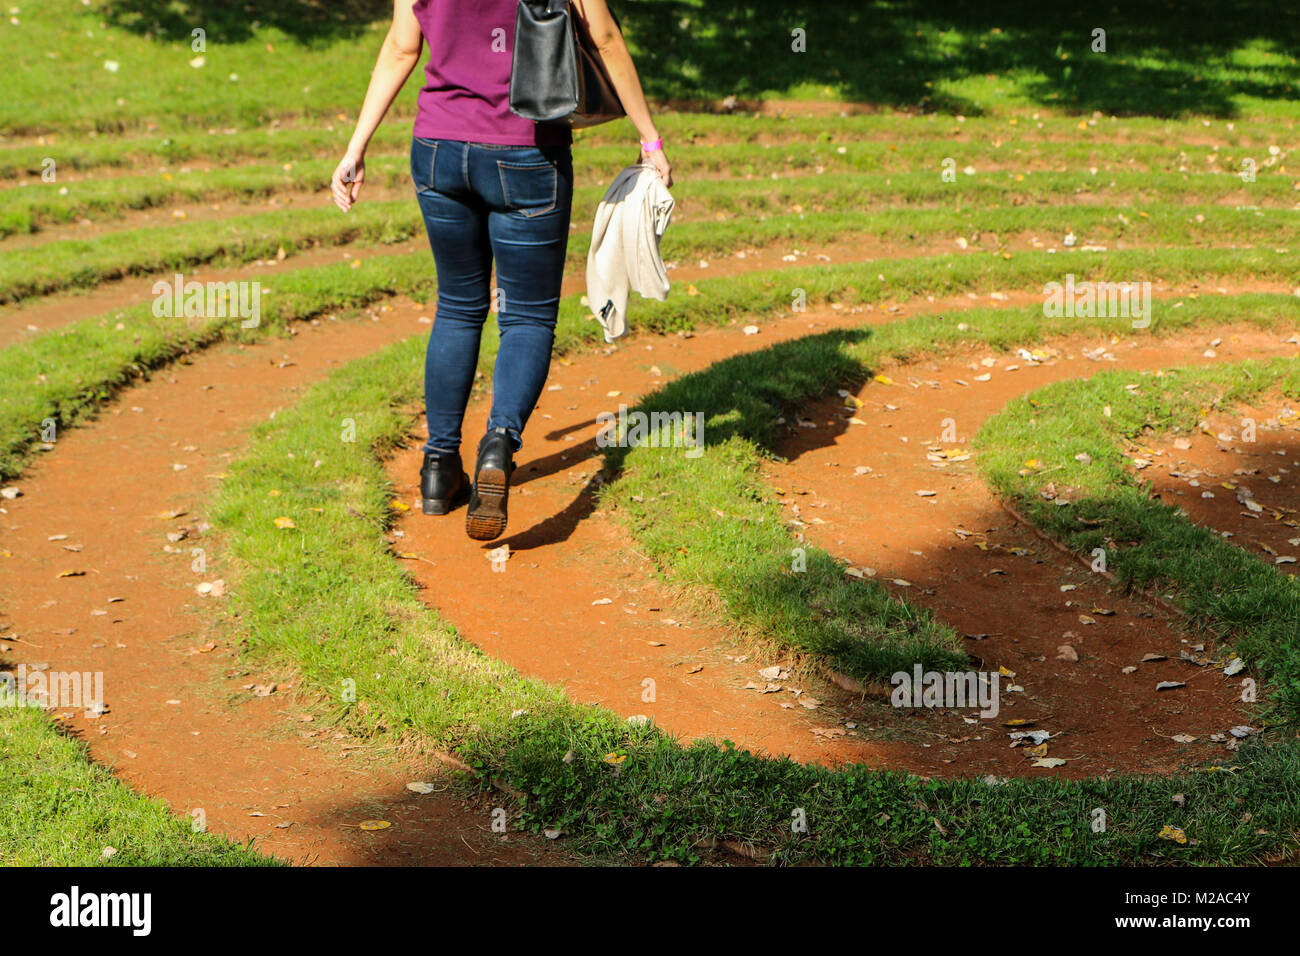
x,y
397,58
622,71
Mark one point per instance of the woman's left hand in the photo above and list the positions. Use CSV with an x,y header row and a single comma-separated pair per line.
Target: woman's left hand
x,y
659,160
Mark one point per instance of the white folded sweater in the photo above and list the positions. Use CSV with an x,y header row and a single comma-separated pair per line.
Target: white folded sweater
x,y
624,255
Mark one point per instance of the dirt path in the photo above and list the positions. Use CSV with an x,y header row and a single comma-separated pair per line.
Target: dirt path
x,y
180,725
120,221
23,320
1017,600
1251,451
32,316
544,613
604,652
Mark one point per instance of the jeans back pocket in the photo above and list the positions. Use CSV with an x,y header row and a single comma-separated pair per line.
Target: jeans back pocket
x,y
424,152
529,188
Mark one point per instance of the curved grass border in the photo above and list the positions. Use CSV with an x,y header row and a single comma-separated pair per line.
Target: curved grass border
x,y
62,809
327,600
53,267
1149,544
1034,204
66,373
27,207
852,626
62,265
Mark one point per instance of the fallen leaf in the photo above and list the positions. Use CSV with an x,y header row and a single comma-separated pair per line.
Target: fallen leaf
x,y
830,733
1172,833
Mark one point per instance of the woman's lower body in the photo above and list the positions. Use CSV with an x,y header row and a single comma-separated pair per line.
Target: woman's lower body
x,y
483,203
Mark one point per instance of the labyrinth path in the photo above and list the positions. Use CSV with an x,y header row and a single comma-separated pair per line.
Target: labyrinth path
x,y
153,413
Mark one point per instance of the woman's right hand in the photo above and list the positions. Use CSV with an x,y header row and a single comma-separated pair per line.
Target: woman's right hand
x,y
659,160
345,184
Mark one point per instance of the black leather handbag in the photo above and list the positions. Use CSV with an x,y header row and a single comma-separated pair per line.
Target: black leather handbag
x,y
556,75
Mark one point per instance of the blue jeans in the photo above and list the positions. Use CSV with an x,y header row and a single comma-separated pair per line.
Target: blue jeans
x,y
482,202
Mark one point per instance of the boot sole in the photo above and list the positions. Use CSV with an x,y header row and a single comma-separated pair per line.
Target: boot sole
x,y
486,518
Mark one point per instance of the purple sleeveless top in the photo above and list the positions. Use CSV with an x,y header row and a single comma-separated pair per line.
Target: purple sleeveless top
x,y
466,93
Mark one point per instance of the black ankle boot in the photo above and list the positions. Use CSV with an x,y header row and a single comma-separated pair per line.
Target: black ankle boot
x,y
486,518
443,482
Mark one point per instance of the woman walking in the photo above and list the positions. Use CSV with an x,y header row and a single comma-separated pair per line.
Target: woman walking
x,y
492,186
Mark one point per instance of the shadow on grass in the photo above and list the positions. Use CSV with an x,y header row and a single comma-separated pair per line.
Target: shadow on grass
x,y
712,521
1161,58
744,395
307,21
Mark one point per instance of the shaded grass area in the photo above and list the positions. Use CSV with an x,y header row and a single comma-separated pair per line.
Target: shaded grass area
x,y
298,58
1236,598
60,809
329,600
1161,58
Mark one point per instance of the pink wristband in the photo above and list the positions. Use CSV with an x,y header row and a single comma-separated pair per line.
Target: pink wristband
x,y
652,146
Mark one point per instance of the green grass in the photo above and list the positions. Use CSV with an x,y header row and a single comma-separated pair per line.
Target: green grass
x,y
333,603
30,205
724,224
62,810
758,294
85,263
329,600
24,208
1240,601
884,143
